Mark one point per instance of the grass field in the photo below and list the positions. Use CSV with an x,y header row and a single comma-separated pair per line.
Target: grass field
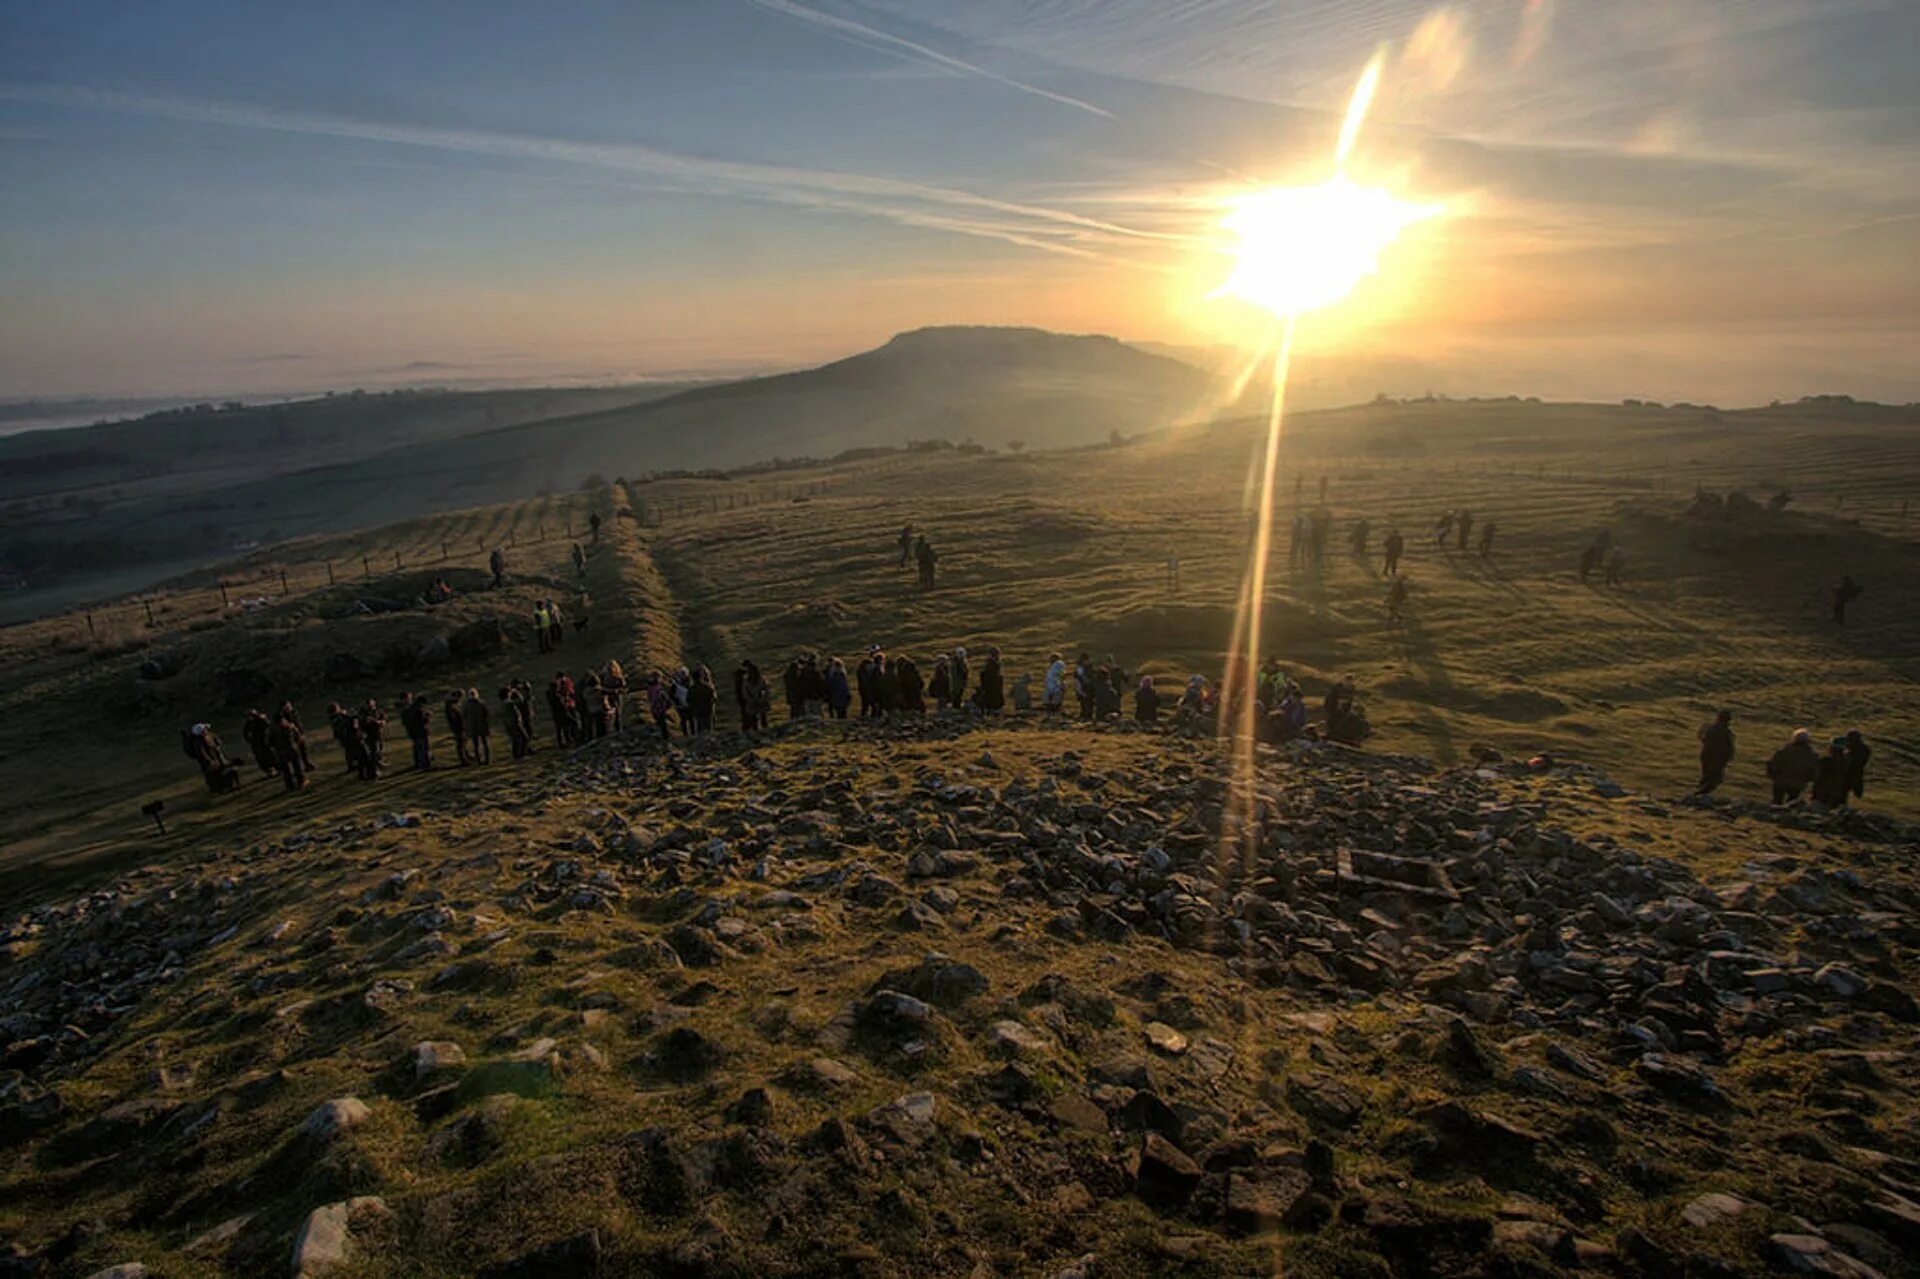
x,y
1067,551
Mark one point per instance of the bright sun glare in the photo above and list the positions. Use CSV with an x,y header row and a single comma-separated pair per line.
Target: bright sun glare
x,y
1303,248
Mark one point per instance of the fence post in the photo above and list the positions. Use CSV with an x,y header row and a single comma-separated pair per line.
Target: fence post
x,y
224,602
366,566
90,632
443,552
329,572
148,605
283,581
396,561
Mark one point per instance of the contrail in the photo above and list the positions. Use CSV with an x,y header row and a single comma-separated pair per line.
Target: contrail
x,y
869,37
1028,225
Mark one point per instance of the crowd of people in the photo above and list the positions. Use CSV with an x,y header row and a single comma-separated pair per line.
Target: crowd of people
x,y
683,703
1797,767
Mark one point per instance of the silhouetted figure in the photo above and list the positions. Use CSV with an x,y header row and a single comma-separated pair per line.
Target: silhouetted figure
x,y
1792,767
1486,538
923,553
289,748
416,717
1716,752
579,561
1616,566
758,697
454,710
1830,781
1395,546
958,672
593,523
906,545
372,724
1845,592
660,705
1588,557
517,738
292,716
700,701
1397,602
202,746
497,565
258,732
1442,528
1465,526
991,697
1146,702
1357,540
478,722
346,732
1858,753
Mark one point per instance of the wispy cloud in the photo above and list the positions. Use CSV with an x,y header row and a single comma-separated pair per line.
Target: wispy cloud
x,y
872,38
896,200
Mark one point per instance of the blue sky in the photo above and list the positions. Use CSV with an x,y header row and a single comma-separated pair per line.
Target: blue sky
x,y
1720,198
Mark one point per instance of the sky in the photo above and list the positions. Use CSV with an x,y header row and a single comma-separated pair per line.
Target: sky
x,y
1713,200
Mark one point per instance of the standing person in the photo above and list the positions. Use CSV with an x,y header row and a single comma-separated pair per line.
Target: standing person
x,y
541,625
346,731
701,697
680,688
813,687
1792,766
923,553
1588,559
593,705
614,681
1083,686
1486,538
258,732
1616,565
1146,702
957,673
1395,545
579,561
659,705
523,709
1466,527
1830,779
902,687
1397,602
1022,693
416,717
991,696
1858,753
289,745
292,716
497,564
516,727
759,699
457,724
1845,592
570,709
1716,752
478,722
1107,692
1362,533
740,693
906,545
839,690
556,711
790,686
556,629
866,680
1053,692
940,683
372,722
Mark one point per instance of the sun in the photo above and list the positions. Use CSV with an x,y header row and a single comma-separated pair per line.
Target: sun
x,y
1304,248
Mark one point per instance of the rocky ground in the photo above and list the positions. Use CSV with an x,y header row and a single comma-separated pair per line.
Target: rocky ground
x,y
944,1000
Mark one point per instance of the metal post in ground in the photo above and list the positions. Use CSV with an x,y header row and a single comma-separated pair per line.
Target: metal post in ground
x,y
90,631
283,581
148,604
366,566
329,572
224,602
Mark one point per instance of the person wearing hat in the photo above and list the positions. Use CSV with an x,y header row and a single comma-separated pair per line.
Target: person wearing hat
x,y
1830,782
1716,752
1792,767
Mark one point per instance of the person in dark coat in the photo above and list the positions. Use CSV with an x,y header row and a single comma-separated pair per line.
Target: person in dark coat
x,y
991,696
790,687
957,675
1716,752
702,695
372,723
258,732
903,687
557,712
497,565
417,718
866,681
289,745
759,698
1830,782
1146,702
1858,753
516,726
1845,592
1396,546
923,554
457,724
839,689
478,722
346,731
292,716
940,683
1793,766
